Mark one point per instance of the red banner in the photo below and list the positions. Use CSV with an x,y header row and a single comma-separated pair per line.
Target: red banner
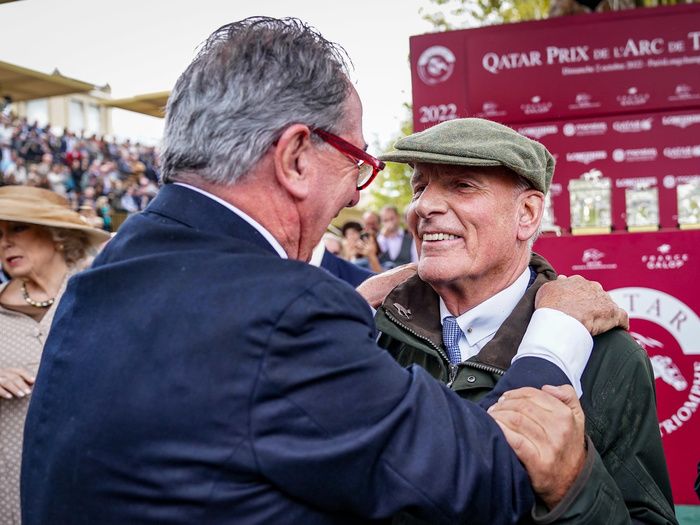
x,y
653,276
657,149
638,60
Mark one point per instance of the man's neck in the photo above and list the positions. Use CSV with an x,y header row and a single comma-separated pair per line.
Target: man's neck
x,y
462,296
248,200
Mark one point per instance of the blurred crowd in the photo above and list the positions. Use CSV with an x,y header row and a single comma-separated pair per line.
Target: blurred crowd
x,y
98,176
102,179
377,243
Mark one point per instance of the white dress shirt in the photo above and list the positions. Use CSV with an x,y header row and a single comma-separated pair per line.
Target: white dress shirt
x,y
551,334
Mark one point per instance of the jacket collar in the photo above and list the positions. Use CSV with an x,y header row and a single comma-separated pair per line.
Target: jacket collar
x,y
199,212
415,304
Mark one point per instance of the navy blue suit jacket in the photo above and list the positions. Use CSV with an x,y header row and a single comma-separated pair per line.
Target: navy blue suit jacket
x,y
344,270
193,376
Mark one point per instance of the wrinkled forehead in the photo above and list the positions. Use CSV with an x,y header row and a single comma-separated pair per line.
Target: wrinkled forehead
x,y
437,171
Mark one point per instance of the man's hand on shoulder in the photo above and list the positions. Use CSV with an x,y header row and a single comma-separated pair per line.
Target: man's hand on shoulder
x,y
585,301
545,429
376,288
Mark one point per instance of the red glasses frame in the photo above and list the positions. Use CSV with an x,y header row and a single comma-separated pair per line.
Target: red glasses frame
x,y
368,165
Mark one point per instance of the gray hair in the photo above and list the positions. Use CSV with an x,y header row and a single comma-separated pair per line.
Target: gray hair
x,y
250,80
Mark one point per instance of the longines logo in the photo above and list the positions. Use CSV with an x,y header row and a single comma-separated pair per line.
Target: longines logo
x,y
586,157
537,132
681,121
677,326
436,65
665,259
592,259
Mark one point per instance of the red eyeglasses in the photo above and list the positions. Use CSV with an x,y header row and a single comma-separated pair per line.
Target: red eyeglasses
x,y
367,165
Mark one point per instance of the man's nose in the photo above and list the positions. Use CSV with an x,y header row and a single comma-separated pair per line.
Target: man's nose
x,y
429,202
355,199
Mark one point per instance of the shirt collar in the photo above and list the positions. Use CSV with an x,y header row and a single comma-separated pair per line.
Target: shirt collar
x,y
255,224
486,318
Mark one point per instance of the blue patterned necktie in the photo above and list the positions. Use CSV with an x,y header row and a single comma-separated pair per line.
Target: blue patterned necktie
x,y
451,332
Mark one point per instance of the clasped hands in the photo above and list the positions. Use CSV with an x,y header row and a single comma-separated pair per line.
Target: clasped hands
x,y
545,429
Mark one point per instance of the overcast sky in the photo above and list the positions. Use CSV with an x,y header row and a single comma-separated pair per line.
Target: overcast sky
x,y
141,46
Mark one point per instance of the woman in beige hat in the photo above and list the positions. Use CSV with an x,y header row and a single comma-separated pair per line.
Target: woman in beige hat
x,y
42,242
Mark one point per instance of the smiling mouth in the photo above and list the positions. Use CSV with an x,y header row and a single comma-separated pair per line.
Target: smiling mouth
x,y
12,260
439,237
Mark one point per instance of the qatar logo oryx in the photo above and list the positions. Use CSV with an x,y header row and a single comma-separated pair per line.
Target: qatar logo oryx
x,y
436,65
664,367
678,372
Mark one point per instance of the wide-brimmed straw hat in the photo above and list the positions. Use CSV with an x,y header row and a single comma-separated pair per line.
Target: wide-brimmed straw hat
x,y
45,208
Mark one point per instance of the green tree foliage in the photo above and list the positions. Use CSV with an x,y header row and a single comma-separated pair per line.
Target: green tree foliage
x,y
461,14
392,186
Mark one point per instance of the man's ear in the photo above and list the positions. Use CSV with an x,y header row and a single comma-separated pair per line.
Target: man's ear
x,y
292,160
530,210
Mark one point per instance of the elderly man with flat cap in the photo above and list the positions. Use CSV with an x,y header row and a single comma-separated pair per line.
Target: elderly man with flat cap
x,y
478,198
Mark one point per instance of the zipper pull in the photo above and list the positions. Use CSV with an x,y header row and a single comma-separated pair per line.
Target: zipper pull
x,y
453,374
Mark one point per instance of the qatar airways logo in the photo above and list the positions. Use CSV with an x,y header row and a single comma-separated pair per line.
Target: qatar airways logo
x,y
682,152
632,126
435,65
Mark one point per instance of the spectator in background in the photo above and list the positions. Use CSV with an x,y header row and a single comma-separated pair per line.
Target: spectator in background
x,y
371,222
41,244
333,244
396,244
360,248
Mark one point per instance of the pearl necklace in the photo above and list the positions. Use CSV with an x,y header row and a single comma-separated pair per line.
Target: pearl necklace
x,y
32,302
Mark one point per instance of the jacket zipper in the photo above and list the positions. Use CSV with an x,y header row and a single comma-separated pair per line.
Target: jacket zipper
x,y
453,368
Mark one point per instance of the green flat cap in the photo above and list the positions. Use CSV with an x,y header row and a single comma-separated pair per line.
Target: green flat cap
x,y
477,142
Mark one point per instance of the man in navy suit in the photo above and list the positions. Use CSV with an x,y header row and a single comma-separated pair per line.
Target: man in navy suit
x,y
202,372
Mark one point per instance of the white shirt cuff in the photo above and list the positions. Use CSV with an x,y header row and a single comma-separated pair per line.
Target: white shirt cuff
x,y
561,340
